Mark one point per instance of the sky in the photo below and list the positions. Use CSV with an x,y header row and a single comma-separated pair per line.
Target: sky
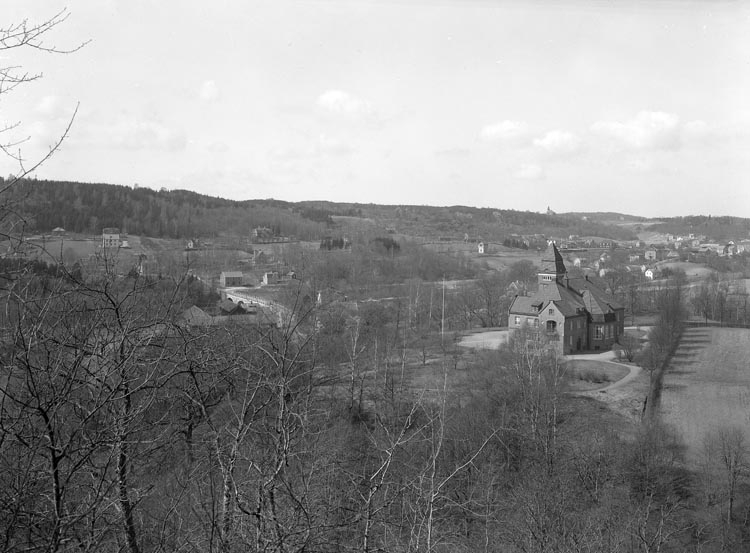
x,y
639,107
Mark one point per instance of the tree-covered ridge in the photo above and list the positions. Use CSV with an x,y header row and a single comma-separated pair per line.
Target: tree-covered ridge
x,y
89,207
488,223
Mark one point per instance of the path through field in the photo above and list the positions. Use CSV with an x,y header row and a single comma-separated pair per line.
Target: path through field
x,y
485,340
707,385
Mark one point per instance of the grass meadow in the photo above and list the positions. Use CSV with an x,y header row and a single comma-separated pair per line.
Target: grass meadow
x,y
707,386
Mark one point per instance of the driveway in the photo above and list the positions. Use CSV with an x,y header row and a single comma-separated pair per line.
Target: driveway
x,y
492,339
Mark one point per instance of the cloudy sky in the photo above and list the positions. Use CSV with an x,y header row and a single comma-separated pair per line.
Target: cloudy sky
x,y
640,107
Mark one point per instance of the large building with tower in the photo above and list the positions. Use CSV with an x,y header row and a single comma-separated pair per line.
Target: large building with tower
x,y
572,314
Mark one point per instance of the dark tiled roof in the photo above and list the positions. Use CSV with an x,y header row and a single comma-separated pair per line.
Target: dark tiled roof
x,y
523,305
570,300
552,262
598,302
228,306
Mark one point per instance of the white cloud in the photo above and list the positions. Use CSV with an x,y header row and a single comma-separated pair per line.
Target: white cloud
x,y
135,134
639,165
209,91
333,146
529,171
339,101
700,132
559,143
218,147
50,106
649,130
288,153
505,131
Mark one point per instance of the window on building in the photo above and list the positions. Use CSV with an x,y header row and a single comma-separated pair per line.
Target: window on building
x,y
598,332
529,321
517,321
548,278
551,311
551,326
536,323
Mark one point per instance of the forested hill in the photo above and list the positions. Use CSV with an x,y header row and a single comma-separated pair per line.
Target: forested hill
x,y
87,208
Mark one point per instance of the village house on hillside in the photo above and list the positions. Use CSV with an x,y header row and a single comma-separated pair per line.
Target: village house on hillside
x,y
110,237
230,278
573,314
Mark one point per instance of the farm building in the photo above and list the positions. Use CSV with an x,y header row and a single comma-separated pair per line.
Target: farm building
x,y
573,314
230,278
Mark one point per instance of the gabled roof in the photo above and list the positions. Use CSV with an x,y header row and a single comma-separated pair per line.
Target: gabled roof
x,y
598,302
195,316
230,308
523,305
571,299
567,301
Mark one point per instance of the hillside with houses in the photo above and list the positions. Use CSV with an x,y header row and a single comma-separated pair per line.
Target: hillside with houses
x,y
344,338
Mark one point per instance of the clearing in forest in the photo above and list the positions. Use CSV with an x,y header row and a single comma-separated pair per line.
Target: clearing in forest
x,y
707,386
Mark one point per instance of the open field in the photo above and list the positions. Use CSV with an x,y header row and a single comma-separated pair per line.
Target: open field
x,y
502,260
490,339
707,385
55,249
692,270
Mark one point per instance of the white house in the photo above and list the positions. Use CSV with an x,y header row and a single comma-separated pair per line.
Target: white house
x,y
110,238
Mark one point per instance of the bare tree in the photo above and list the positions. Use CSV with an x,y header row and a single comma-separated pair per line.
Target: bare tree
x,y
628,346
28,36
726,450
